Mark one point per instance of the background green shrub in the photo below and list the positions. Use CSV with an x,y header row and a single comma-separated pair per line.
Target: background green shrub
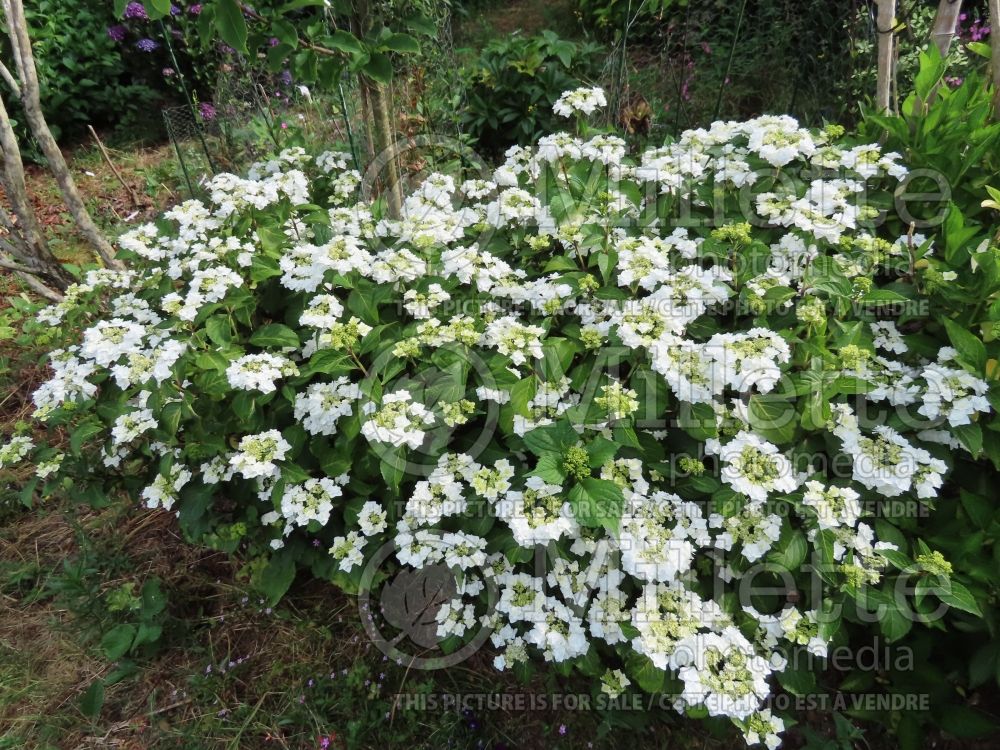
x,y
81,72
514,82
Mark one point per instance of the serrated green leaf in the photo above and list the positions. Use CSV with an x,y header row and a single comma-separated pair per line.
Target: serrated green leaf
x,y
275,336
597,503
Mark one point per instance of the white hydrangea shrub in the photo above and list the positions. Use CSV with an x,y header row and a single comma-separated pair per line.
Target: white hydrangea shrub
x,y
553,356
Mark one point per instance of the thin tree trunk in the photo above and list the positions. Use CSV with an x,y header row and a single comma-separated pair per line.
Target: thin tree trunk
x,y
24,241
376,112
945,23
18,31
995,57
942,34
367,118
885,25
385,145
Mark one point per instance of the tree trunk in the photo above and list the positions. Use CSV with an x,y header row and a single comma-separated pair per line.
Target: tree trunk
x,y
886,41
945,23
24,242
385,145
21,44
377,116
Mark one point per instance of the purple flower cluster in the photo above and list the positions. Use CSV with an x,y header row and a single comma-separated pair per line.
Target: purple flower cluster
x,y
207,110
135,10
147,45
978,31
117,32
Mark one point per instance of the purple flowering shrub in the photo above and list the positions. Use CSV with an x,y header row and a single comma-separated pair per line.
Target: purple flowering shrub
x,y
84,79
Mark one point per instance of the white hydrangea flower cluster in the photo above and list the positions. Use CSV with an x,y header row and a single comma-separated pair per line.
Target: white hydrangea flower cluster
x,y
15,449
258,372
584,101
445,381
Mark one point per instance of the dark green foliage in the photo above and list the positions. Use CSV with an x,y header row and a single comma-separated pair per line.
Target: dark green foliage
x,y
514,82
82,76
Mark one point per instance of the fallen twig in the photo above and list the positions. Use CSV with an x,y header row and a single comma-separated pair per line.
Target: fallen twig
x,y
107,158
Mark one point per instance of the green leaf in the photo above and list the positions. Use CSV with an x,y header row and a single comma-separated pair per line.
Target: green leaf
x,y
92,700
552,438
345,42
797,678
790,550
521,393
244,404
601,450
641,670
117,641
597,502
698,421
958,596
550,468
153,600
980,48
392,466
971,436
970,348
83,433
285,32
378,68
148,632
277,576
294,474
219,330
401,43
157,9
328,362
262,268
275,335
361,302
980,509
931,69
773,418
299,4
272,240
894,622
421,25
231,25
